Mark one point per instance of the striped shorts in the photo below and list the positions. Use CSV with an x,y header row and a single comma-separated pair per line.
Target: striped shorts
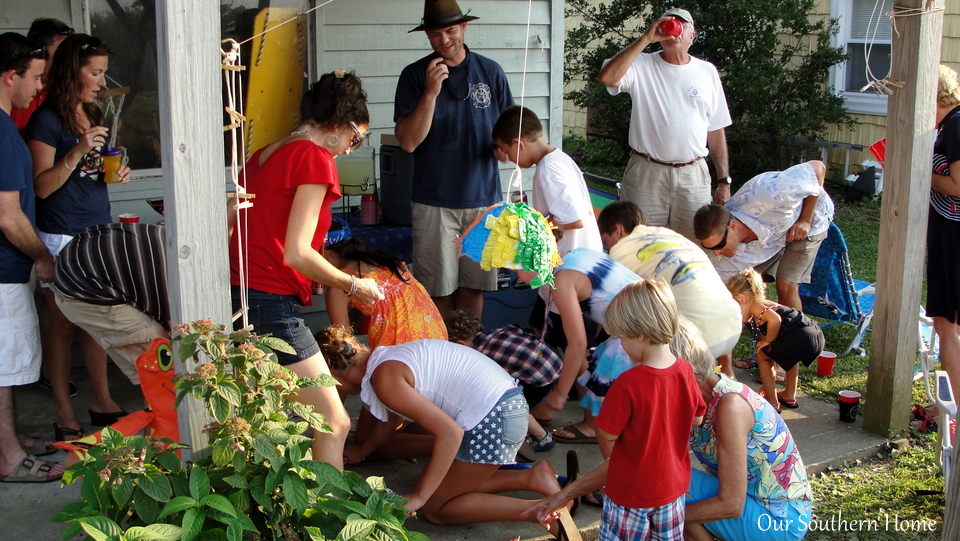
x,y
620,523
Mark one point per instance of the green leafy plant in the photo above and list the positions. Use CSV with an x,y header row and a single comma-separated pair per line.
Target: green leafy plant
x,y
774,61
258,482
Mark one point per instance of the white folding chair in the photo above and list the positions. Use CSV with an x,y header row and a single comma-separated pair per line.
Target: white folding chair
x,y
936,383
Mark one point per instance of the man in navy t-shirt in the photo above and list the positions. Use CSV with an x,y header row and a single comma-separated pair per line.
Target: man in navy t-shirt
x,y
445,109
21,252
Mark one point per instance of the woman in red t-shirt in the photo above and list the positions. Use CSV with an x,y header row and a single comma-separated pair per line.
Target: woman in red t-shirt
x,y
295,181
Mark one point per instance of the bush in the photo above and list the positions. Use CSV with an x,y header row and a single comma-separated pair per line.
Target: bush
x,y
773,61
258,483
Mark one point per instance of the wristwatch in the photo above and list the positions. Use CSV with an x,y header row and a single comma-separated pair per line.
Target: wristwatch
x,y
724,180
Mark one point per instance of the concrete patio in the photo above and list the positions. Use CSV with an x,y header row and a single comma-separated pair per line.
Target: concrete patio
x,y
822,439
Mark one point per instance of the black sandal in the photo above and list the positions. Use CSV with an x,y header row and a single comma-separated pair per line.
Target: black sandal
x,y
63,433
98,418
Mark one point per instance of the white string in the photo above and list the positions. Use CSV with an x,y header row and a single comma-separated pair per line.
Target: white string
x,y
868,48
516,177
234,85
888,85
286,21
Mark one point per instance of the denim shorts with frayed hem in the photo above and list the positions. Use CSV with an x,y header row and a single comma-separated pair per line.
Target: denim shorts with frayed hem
x,y
497,437
280,316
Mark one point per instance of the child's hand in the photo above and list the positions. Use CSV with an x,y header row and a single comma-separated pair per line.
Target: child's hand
x,y
762,344
414,502
556,400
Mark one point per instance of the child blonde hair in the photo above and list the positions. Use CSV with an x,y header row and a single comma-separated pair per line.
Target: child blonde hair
x,y
339,346
688,345
644,307
747,281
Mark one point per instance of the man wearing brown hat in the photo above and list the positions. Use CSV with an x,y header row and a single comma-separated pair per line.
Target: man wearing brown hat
x,y
446,106
679,114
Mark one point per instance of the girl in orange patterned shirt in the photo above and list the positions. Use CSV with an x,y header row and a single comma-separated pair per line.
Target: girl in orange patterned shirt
x,y
406,312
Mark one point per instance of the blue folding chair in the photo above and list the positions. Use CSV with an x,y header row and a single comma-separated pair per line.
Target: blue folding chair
x,y
834,294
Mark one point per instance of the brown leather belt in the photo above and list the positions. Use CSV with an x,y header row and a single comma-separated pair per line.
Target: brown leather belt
x,y
668,164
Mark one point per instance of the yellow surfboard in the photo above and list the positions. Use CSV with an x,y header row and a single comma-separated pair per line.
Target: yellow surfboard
x,y
276,67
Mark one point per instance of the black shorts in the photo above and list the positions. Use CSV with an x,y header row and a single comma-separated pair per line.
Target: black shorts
x,y
801,345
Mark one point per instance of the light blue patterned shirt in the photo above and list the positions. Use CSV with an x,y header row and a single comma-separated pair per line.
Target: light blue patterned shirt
x,y
769,204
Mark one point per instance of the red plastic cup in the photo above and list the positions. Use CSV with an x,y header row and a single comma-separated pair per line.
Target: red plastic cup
x,y
879,149
127,218
849,406
671,27
825,363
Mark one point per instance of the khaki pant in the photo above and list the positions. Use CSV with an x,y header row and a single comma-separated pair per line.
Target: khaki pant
x,y
123,331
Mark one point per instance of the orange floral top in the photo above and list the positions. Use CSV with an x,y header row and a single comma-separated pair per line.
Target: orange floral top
x,y
405,314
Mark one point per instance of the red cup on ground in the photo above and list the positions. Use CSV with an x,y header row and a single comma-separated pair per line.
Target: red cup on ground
x,y
879,149
127,218
671,27
849,406
825,363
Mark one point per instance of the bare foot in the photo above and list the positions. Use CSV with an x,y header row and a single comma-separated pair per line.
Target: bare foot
x,y
544,478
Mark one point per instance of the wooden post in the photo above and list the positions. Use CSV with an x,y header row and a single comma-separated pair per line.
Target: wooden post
x,y
191,119
903,218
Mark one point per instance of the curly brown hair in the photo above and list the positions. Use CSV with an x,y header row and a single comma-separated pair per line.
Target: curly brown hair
x,y
335,100
462,326
339,346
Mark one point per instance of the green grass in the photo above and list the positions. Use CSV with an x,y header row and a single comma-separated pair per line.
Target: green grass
x,y
892,484
907,485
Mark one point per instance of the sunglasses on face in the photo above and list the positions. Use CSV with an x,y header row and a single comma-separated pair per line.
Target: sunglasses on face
x,y
723,241
358,137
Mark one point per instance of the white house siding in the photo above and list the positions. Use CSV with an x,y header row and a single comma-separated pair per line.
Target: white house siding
x,y
371,37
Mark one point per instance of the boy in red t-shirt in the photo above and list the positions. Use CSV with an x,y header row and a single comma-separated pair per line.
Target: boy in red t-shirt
x,y
644,424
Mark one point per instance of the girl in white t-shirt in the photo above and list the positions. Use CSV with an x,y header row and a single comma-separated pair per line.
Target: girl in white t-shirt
x,y
469,404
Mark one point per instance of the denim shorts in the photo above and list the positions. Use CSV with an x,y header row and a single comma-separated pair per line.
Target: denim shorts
x,y
497,437
279,316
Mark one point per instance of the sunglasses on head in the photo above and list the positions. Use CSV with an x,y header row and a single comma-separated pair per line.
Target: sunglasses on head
x,y
358,137
723,241
38,54
65,32
91,42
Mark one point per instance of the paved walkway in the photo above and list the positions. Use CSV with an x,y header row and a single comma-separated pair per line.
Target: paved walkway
x,y
26,508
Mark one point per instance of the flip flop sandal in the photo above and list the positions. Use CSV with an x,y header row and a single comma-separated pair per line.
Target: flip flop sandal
x,y
578,437
789,404
779,379
39,448
568,530
31,470
573,473
525,453
745,364
598,496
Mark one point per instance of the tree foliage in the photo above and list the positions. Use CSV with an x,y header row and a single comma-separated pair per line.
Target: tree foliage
x,y
773,58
